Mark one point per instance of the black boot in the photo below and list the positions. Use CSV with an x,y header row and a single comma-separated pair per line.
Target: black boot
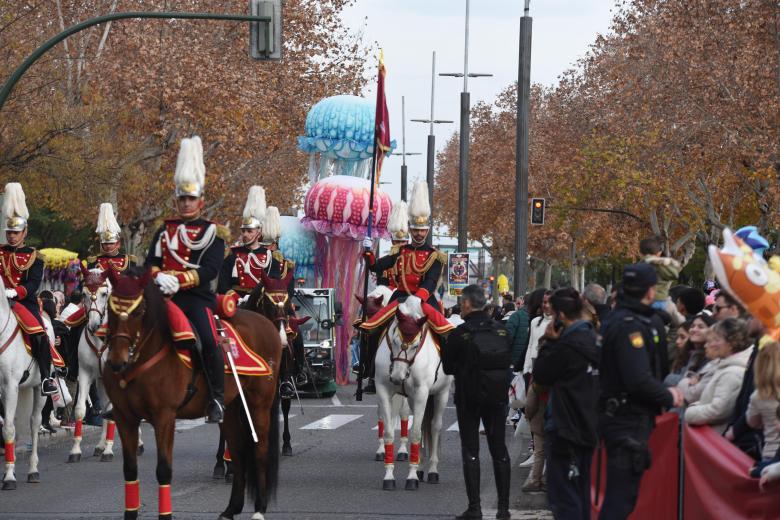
x,y
502,471
471,475
214,368
42,354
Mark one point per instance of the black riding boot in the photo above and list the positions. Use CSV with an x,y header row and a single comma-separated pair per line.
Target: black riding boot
x,y
502,471
42,354
298,353
471,475
214,368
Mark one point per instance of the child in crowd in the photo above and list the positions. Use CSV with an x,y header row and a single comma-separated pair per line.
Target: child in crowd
x,y
667,269
762,411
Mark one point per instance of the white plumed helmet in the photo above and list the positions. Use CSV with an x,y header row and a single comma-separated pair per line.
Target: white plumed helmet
x,y
15,207
107,227
398,222
190,175
419,207
254,209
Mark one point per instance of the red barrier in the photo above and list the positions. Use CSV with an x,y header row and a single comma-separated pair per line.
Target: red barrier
x,y
658,492
717,483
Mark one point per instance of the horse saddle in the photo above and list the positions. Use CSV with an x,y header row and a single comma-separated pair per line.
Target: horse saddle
x,y
30,326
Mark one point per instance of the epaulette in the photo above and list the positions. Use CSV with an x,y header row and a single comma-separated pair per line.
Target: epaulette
x,y
395,249
132,259
278,256
441,256
223,232
290,264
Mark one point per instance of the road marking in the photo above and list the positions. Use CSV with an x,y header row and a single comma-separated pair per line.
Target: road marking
x,y
188,424
398,423
335,400
454,427
289,416
331,422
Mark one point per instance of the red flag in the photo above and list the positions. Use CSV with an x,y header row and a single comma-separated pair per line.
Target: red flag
x,y
381,119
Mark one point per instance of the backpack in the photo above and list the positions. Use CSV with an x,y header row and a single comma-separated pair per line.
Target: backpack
x,y
486,374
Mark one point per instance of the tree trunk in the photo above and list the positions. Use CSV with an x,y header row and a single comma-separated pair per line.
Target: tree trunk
x,y
573,263
547,275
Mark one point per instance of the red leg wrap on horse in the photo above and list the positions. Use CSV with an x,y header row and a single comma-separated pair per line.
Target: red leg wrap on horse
x,y
78,428
132,496
380,429
414,453
164,500
9,452
110,429
226,456
404,427
389,453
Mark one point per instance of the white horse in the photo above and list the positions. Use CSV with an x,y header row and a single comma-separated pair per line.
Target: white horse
x,y
408,363
92,357
15,364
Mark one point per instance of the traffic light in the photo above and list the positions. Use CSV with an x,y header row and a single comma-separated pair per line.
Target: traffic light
x,y
537,212
265,39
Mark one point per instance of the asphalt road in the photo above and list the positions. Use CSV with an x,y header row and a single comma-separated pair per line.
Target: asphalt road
x,y
332,474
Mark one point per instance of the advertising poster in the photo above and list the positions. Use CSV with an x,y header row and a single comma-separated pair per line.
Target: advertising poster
x,y
457,272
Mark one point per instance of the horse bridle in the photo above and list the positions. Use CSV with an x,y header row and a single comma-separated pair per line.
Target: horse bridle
x,y
93,305
278,299
123,307
403,354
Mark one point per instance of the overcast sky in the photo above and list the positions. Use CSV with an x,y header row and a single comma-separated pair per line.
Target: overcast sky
x,y
409,30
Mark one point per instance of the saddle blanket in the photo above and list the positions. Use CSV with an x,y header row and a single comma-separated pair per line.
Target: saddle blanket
x,y
247,362
56,359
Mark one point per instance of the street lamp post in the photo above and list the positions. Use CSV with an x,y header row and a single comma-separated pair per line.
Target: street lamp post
x,y
404,153
431,142
521,154
463,169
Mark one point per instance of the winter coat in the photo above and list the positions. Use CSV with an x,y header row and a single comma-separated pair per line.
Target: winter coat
x,y
692,391
568,365
535,333
517,327
719,397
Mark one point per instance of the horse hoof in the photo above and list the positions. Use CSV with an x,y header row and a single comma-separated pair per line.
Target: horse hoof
x,y
433,478
34,478
379,457
420,475
9,485
131,515
107,457
412,484
287,450
388,485
258,516
401,457
74,457
140,450
98,452
219,472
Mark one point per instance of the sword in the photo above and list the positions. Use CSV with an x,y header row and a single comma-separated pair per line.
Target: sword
x,y
229,355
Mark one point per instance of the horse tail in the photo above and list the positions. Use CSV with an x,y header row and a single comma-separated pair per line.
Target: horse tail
x,y
272,458
427,423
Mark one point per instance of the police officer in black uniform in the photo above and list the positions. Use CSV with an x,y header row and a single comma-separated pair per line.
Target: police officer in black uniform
x,y
478,352
631,390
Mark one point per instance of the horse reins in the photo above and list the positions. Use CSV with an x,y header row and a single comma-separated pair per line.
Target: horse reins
x,y
13,335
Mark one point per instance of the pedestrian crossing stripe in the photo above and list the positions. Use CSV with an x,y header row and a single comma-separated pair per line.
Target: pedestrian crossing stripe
x,y
331,422
453,427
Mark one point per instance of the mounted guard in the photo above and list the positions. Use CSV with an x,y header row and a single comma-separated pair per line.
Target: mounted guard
x,y
22,272
398,226
242,269
416,269
185,257
111,255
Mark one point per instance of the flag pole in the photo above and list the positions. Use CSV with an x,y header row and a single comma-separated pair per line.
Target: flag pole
x,y
363,311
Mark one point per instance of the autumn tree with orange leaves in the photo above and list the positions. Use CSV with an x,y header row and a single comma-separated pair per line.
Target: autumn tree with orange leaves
x,y
100,117
671,121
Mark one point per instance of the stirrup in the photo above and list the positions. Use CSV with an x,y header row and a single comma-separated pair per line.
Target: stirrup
x,y
215,412
48,387
286,390
301,379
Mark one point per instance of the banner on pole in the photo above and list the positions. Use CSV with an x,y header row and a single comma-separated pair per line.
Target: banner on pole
x,y
457,272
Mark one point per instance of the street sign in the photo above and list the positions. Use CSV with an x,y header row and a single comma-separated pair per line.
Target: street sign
x,y
265,39
457,272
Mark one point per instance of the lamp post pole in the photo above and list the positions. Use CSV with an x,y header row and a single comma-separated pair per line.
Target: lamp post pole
x,y
404,153
465,130
429,171
521,155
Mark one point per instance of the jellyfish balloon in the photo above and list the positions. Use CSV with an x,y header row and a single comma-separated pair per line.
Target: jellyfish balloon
x,y
340,142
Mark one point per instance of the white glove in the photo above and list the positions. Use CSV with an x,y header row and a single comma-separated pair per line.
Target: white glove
x,y
243,299
412,307
368,243
10,293
168,283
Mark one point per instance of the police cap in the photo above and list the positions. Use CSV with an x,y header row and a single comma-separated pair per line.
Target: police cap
x,y
639,276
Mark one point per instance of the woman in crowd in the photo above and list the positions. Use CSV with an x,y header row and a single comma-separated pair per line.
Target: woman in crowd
x,y
729,343
680,355
765,399
691,363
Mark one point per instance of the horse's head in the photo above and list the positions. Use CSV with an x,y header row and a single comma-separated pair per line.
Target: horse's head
x,y
404,336
126,311
95,297
376,299
271,299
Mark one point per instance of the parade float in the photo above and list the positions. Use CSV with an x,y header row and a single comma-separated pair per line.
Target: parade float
x,y
340,143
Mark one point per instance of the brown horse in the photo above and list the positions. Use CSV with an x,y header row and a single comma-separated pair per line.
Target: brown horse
x,y
145,379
